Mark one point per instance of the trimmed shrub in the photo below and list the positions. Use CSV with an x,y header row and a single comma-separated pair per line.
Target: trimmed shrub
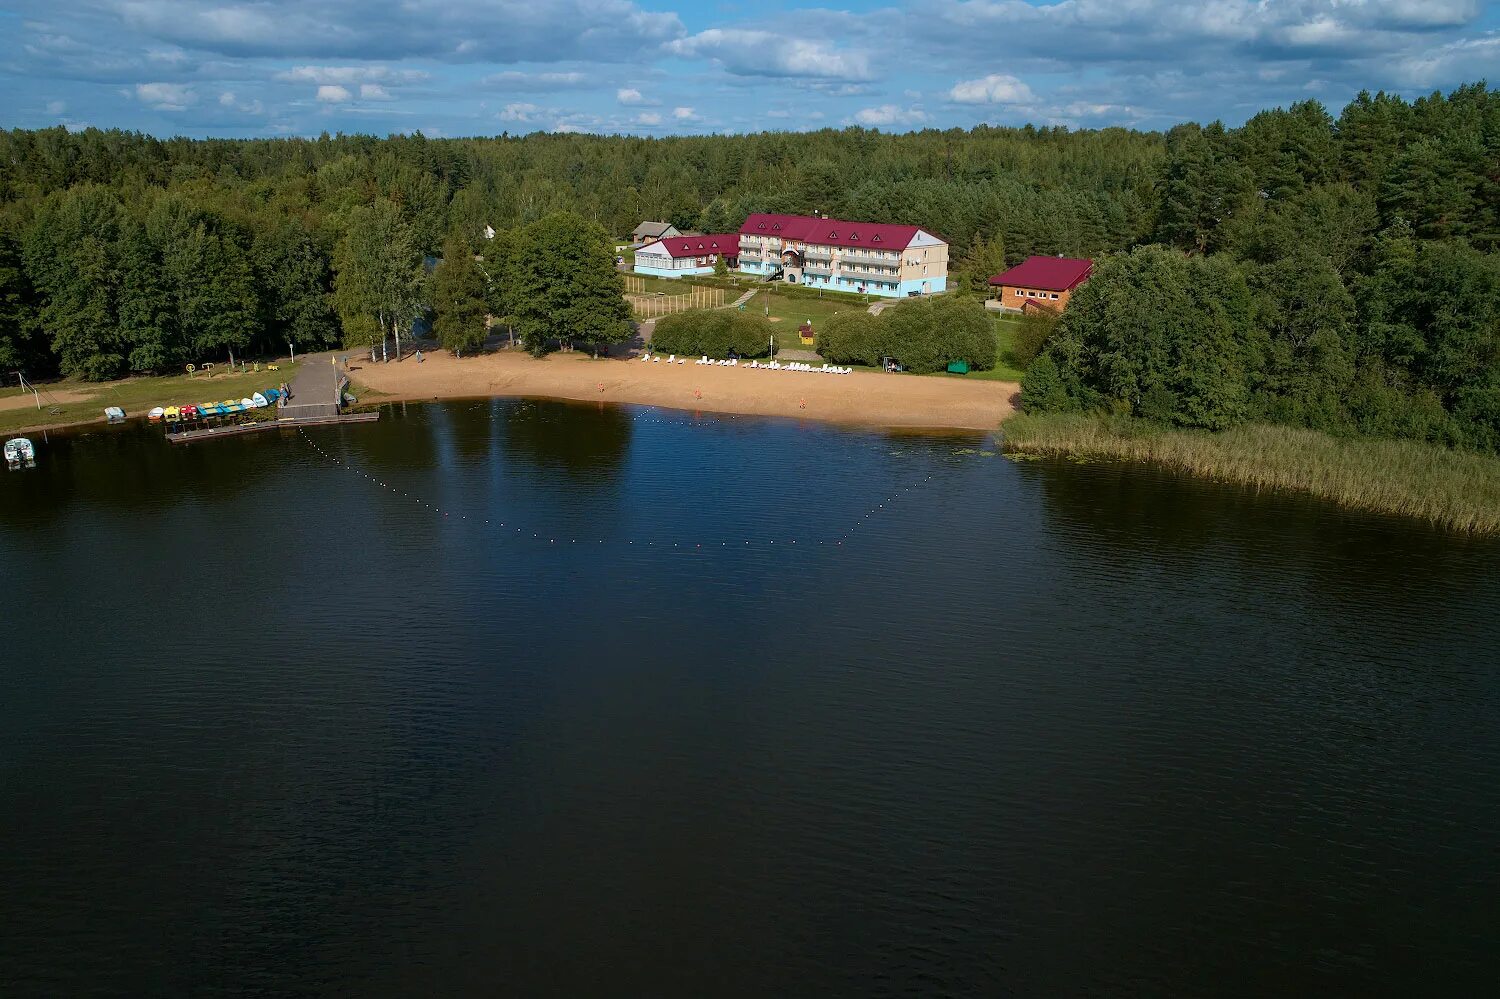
x,y
922,336
717,333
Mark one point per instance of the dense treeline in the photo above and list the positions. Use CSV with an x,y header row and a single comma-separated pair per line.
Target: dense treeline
x,y
120,252
1335,274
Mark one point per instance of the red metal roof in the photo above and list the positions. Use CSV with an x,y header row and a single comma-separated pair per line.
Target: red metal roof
x,y
831,232
1047,273
727,243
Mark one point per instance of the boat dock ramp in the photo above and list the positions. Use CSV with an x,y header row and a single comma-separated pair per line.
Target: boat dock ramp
x,y
316,399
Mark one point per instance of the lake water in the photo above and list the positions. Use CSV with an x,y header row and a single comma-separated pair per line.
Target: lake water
x,y
519,697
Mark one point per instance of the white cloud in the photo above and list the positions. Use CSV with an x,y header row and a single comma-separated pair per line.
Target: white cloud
x,y
519,111
1467,58
514,80
374,92
56,107
746,52
683,114
166,96
648,118
996,88
350,75
505,31
333,94
887,115
629,95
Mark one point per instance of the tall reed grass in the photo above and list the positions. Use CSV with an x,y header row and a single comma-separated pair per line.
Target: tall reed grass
x,y
1457,490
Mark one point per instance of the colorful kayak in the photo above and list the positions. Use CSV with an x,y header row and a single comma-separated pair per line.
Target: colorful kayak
x,y
156,414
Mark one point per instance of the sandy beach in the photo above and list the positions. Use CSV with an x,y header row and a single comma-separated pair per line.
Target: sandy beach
x,y
863,398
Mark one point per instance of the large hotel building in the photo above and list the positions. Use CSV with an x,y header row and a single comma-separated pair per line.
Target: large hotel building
x,y
890,260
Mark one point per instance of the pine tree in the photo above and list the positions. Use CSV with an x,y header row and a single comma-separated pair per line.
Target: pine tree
x,y
985,261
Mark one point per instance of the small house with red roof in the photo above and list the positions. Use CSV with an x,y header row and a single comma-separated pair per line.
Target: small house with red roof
x,y
680,256
1041,281
872,258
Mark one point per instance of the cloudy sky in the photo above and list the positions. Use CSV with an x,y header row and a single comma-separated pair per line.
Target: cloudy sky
x,y
656,67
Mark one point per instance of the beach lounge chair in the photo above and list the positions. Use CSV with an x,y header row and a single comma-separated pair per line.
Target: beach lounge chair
x,y
671,358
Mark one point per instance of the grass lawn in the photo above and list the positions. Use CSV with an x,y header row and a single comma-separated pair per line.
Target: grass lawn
x,y
137,395
655,285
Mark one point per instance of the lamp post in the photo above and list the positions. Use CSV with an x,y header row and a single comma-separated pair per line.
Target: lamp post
x,y
292,349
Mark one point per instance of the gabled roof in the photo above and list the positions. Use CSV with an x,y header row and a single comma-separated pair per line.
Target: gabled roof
x,y
831,232
652,230
1047,273
725,243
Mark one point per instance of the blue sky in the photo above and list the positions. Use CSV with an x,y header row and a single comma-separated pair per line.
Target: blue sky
x,y
658,67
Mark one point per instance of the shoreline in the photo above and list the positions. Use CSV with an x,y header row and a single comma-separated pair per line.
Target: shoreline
x,y
862,399
1457,491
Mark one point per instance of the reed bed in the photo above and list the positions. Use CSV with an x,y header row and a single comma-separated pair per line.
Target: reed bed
x,y
1457,490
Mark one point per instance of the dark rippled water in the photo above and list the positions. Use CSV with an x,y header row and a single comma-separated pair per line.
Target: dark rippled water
x,y
268,726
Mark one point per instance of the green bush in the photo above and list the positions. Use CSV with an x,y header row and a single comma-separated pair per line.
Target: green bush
x,y
926,335
852,338
1031,334
717,333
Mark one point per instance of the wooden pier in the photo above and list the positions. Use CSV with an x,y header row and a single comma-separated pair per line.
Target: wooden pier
x,y
236,429
316,400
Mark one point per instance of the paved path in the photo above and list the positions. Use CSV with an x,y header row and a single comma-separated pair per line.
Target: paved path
x,y
315,387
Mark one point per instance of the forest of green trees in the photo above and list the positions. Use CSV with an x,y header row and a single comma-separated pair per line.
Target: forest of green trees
x,y
1339,273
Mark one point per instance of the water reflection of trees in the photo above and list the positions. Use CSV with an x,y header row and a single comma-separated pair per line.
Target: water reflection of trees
x,y
132,467
1136,514
580,440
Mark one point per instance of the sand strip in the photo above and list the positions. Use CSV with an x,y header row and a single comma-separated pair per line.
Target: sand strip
x,y
863,398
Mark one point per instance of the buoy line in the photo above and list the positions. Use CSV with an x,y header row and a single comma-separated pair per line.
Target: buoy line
x,y
548,539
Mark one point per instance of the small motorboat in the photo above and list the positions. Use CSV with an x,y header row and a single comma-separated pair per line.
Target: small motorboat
x,y
248,404
171,414
157,414
272,394
19,452
260,400
114,414
190,412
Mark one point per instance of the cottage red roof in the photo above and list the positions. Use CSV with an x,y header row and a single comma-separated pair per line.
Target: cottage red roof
x,y
831,232
1046,274
726,243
